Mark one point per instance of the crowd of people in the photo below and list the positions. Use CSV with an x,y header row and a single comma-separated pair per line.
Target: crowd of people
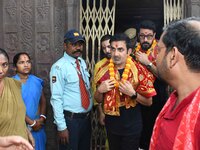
x,y
129,89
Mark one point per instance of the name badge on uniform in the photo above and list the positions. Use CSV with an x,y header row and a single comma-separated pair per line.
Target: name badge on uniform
x,y
53,79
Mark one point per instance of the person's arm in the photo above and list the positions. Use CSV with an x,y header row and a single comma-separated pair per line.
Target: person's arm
x,y
98,96
30,138
57,87
147,101
143,59
16,142
152,68
94,84
104,87
56,100
101,115
63,136
127,88
42,109
34,124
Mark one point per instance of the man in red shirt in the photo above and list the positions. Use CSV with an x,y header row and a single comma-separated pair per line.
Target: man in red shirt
x,y
178,63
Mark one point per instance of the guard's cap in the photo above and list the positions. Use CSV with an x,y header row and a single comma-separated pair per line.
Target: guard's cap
x,y
73,36
131,33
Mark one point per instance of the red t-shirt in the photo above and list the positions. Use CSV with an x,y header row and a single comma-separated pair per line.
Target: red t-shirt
x,y
170,122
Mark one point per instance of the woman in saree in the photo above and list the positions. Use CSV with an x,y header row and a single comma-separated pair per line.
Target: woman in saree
x,y
33,96
12,108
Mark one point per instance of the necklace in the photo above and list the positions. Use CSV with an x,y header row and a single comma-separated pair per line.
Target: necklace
x,y
149,50
125,72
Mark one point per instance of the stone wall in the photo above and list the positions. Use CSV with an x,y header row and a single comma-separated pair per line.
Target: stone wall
x,y
38,27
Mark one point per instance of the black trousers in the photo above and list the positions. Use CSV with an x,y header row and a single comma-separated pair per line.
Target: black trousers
x,y
79,133
119,142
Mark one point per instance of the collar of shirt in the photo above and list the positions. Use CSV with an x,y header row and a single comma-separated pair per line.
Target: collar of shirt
x,y
170,115
72,60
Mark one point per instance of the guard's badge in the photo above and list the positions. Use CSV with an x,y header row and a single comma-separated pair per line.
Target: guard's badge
x,y
76,34
53,79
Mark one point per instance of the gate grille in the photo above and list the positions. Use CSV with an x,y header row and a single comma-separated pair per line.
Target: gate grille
x,y
173,10
97,18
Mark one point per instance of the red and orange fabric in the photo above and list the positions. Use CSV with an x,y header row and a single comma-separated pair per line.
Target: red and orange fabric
x,y
140,78
185,137
97,68
151,52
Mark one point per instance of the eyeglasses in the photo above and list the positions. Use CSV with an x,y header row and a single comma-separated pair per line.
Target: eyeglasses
x,y
149,37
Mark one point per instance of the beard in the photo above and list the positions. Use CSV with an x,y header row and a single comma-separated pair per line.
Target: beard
x,y
145,46
162,70
108,55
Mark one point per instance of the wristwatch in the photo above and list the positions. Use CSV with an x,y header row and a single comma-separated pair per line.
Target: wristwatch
x,y
149,65
134,96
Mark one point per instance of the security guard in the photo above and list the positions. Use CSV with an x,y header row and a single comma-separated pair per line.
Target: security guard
x,y
71,98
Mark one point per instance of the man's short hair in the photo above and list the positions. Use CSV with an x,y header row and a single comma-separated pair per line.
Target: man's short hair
x,y
121,37
105,37
148,24
185,35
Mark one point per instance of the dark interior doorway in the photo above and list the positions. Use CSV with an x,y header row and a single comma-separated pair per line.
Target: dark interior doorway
x,y
129,13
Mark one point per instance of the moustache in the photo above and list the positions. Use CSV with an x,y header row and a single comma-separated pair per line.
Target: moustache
x,y
116,58
145,46
77,51
108,55
145,43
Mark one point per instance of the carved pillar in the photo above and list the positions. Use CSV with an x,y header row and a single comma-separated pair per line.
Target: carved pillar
x,y
36,27
192,8
195,7
1,24
59,28
11,31
72,14
26,29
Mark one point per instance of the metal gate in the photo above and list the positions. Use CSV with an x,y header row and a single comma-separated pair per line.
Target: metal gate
x,y
97,18
173,10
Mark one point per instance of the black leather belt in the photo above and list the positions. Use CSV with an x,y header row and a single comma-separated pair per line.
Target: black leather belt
x,y
76,115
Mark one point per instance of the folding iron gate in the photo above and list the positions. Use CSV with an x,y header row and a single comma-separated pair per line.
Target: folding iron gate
x,y
97,18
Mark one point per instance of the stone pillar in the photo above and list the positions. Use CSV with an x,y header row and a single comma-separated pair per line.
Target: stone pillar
x,y
1,24
195,8
37,27
72,17
192,8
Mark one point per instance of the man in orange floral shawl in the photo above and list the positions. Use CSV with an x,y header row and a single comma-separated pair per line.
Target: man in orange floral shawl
x,y
177,126
146,49
123,85
146,53
105,50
